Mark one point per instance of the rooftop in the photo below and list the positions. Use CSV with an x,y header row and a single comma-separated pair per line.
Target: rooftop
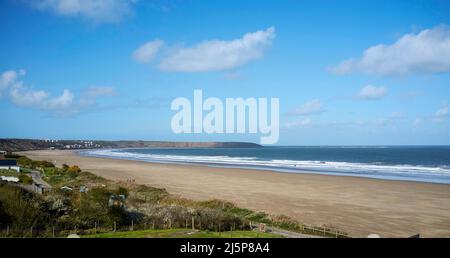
x,y
8,162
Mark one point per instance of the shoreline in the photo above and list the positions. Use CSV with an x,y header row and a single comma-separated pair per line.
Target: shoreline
x,y
396,172
256,168
391,208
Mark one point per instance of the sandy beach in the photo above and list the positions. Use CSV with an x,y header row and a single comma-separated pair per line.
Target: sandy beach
x,y
357,205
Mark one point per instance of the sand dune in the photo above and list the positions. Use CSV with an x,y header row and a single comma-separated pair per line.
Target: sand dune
x,y
357,205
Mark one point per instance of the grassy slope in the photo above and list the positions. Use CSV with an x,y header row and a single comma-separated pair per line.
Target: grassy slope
x,y
181,233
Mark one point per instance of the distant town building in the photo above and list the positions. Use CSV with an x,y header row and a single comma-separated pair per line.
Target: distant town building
x,y
2,154
9,164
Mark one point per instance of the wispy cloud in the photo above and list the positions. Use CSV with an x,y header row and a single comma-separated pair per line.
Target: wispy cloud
x,y
425,52
9,78
92,94
96,11
441,114
210,55
39,99
147,51
65,104
297,124
314,106
370,92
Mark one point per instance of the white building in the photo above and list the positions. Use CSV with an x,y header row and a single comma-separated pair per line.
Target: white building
x,y
10,179
9,164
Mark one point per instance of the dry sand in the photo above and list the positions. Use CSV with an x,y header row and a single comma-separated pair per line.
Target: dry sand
x,y
357,205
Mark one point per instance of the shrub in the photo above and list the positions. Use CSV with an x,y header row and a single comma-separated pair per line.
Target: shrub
x,y
74,169
24,179
43,164
24,161
21,208
122,191
100,196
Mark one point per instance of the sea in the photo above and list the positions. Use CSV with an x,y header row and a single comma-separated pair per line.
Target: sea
x,y
410,163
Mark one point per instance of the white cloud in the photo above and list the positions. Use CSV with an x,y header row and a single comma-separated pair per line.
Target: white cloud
x,y
62,102
218,55
370,92
40,99
309,108
441,114
425,52
63,105
97,11
8,78
147,51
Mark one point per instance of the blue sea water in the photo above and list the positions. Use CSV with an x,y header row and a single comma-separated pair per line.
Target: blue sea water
x,y
411,163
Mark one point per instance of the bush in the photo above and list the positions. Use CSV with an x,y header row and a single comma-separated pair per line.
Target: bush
x,y
24,179
73,170
122,191
24,162
21,208
43,164
100,196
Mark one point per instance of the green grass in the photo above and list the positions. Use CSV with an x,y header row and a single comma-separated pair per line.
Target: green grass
x,y
181,233
8,172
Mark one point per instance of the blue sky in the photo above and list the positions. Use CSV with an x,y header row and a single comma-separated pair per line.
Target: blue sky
x,y
346,72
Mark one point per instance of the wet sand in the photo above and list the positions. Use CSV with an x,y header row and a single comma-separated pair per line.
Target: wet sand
x,y
357,205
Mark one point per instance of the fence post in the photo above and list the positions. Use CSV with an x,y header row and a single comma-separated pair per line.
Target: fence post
x,y
114,226
7,230
95,227
53,232
193,220
132,225
31,231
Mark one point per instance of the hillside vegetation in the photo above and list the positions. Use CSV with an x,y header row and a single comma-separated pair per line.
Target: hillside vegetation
x,y
35,144
85,203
